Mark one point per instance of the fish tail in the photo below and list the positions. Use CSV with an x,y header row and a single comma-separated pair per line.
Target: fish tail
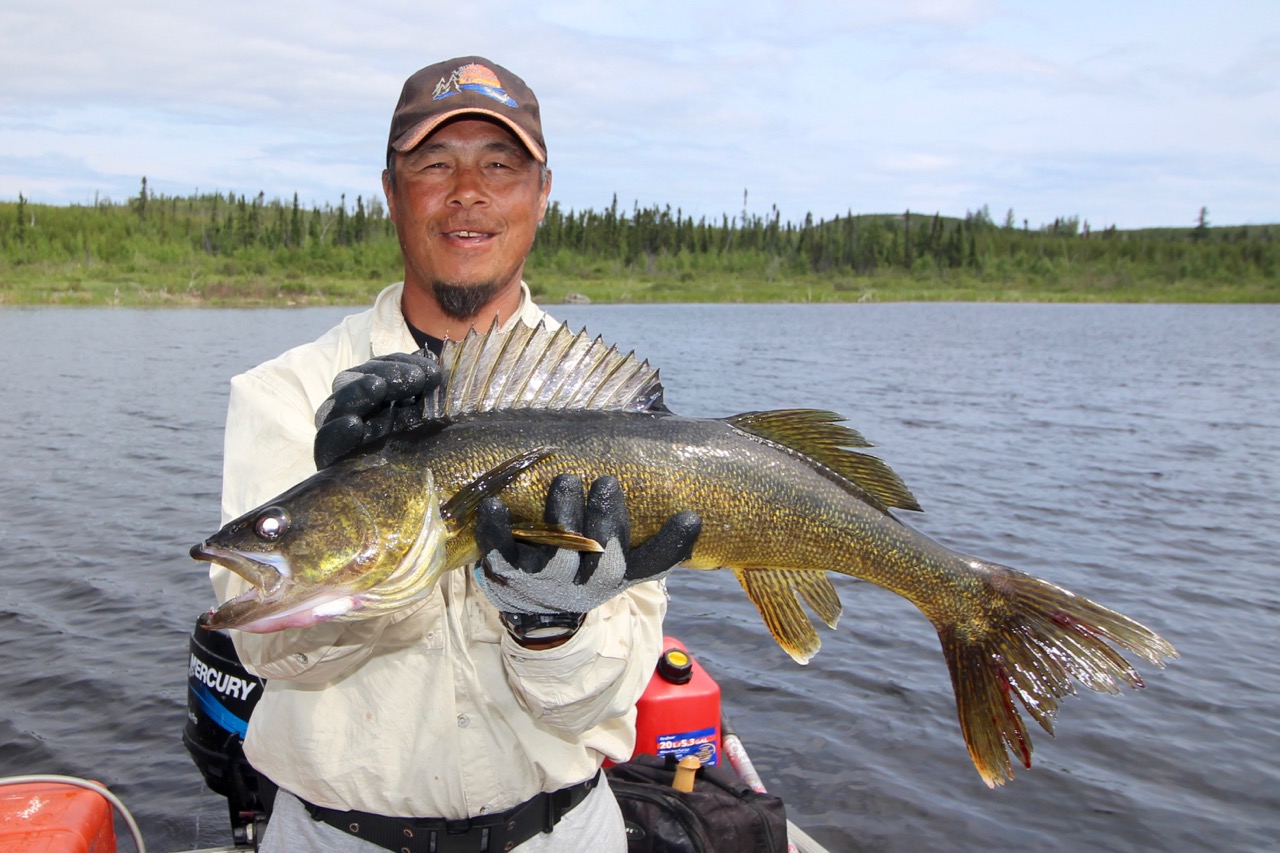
x,y
1033,641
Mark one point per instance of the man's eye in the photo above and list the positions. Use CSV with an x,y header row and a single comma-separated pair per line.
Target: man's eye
x,y
422,164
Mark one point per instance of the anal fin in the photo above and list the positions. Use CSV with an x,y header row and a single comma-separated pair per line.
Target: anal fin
x,y
816,590
776,593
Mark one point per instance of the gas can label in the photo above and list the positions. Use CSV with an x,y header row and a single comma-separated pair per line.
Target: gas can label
x,y
701,743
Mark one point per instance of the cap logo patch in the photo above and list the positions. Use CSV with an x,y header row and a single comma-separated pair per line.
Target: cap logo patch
x,y
473,78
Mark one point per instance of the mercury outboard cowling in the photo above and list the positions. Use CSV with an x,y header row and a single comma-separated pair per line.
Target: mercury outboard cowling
x,y
221,695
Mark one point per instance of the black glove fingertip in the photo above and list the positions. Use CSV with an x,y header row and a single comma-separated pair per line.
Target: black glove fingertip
x,y
359,397
670,546
405,380
410,374
493,529
337,438
564,505
378,425
607,512
431,376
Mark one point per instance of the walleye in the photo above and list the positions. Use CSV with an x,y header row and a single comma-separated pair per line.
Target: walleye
x,y
784,496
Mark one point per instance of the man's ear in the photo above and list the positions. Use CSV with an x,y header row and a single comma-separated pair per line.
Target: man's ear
x,y
391,198
546,195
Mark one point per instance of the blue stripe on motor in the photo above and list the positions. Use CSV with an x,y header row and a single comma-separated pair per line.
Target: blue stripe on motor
x,y
218,712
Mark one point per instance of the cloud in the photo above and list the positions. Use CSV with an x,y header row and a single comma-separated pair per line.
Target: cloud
x,y
818,107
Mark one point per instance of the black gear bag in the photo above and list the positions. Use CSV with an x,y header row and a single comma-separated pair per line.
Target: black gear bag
x,y
722,814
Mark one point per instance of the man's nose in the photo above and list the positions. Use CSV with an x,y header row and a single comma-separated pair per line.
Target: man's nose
x,y
468,187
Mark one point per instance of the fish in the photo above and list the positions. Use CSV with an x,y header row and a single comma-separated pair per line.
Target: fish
x,y
786,497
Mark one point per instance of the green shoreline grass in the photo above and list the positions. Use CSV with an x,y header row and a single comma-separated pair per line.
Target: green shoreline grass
x,y
65,285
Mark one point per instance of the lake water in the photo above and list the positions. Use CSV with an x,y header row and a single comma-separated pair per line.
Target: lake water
x,y
1126,452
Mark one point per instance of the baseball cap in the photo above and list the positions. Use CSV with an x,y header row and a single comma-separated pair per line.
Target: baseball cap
x,y
466,85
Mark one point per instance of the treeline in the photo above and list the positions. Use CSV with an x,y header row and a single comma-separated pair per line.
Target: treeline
x,y
171,228
658,239
214,237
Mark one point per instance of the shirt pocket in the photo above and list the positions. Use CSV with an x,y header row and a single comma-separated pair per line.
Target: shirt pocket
x,y
483,622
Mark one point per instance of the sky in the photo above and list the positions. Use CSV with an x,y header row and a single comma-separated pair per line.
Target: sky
x,y
1134,114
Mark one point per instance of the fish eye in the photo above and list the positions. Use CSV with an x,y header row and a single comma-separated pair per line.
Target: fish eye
x,y
271,524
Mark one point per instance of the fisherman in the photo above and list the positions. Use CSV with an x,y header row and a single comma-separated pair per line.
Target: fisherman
x,y
477,720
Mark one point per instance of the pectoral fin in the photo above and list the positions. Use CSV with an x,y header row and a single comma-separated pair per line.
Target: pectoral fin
x,y
460,509
556,537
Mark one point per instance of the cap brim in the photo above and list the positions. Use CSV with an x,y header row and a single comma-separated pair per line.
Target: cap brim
x,y
420,131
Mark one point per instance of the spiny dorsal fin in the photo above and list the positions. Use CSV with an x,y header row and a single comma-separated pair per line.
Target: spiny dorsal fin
x,y
820,436
537,367
774,593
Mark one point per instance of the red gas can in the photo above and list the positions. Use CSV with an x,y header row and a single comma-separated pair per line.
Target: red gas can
x,y
679,713
42,817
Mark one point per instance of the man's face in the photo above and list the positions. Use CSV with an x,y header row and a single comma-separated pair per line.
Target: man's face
x,y
466,204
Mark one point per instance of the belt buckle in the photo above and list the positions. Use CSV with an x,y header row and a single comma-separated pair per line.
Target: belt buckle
x,y
550,812
461,826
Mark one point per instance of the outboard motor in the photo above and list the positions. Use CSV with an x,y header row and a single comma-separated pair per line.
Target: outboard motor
x,y
221,695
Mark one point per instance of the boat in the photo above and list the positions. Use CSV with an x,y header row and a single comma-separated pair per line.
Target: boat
x,y
680,722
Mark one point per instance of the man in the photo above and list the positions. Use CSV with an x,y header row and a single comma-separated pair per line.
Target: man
x,y
479,719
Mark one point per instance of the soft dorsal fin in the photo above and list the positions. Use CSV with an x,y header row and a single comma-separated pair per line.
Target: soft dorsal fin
x,y
820,437
538,367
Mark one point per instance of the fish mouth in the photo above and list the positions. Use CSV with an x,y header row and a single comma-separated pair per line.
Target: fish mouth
x,y
267,575
272,601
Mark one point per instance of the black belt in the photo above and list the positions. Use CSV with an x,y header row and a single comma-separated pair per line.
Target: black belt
x,y
489,833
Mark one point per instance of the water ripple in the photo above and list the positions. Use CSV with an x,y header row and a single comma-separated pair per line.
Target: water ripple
x,y
1127,452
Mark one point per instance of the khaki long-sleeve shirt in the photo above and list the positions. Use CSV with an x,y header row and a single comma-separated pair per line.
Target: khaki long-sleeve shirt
x,y
434,713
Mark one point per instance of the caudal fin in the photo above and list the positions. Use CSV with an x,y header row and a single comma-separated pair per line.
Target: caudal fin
x,y
1038,640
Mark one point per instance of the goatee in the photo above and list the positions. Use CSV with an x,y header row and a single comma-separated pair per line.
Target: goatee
x,y
463,301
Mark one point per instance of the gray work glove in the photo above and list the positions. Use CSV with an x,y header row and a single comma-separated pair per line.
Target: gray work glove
x,y
371,401
522,578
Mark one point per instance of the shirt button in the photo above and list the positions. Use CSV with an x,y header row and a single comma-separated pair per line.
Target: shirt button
x,y
463,721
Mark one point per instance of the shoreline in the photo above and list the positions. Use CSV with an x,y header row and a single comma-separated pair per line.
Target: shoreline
x,y
157,290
